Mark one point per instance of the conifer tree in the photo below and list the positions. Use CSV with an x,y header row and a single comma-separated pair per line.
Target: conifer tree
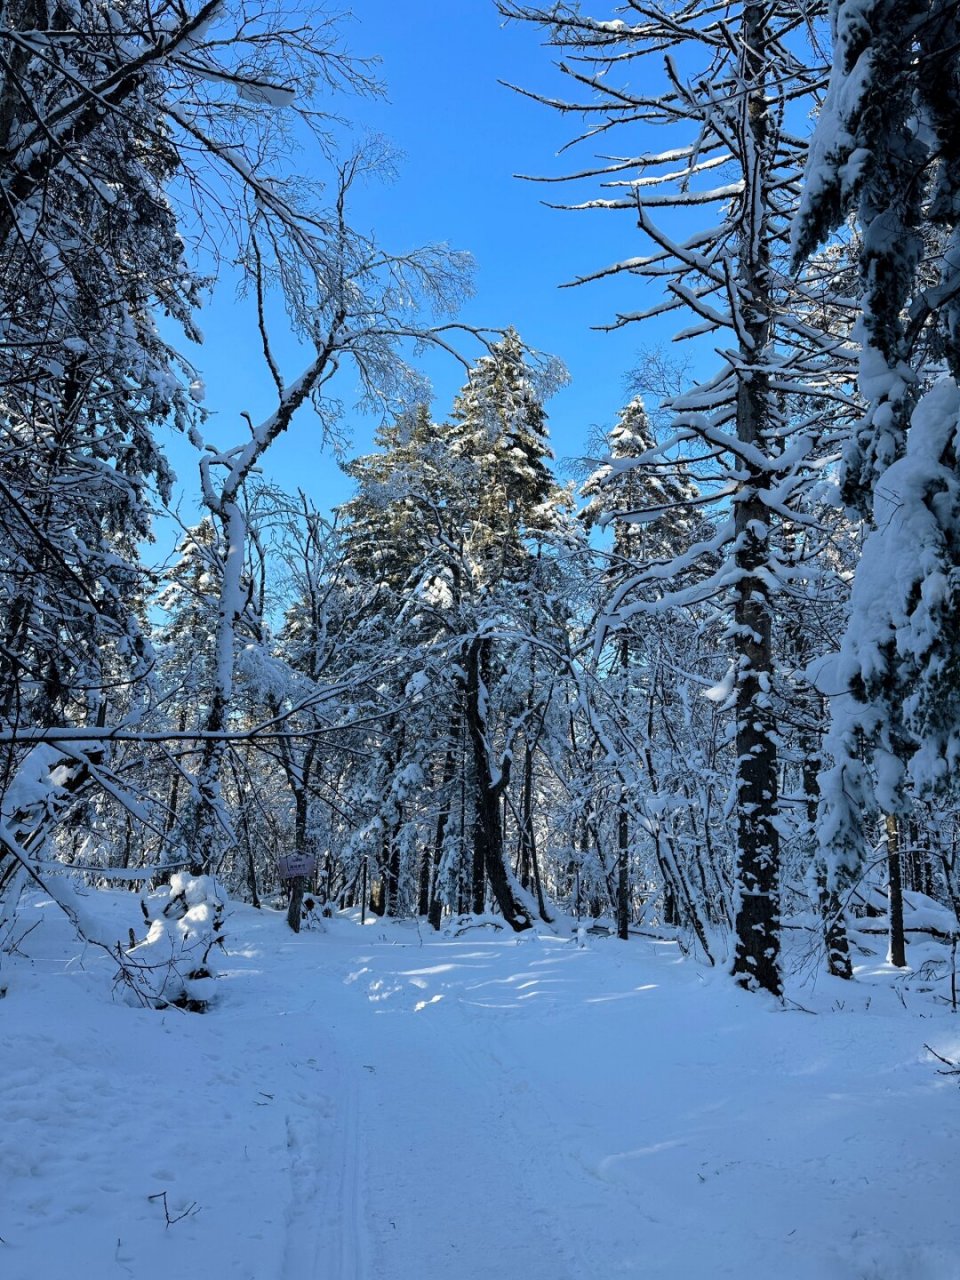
x,y
649,507
885,150
512,505
448,526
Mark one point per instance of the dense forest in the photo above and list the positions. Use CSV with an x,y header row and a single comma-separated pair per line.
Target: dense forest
x,y
709,687
562,851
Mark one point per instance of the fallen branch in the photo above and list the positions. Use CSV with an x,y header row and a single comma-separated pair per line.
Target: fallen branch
x,y
190,1210
953,1068
929,929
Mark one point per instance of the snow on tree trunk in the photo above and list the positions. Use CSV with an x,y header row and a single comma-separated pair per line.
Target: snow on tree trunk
x,y
757,923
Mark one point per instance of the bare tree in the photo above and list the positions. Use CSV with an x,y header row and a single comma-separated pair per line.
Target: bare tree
x,y
141,146
725,84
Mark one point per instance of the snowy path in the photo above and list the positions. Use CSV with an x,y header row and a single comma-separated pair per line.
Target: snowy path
x,y
379,1104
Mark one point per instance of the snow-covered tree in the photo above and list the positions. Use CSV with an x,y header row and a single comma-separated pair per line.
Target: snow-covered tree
x,y
449,529
885,151
714,207
142,146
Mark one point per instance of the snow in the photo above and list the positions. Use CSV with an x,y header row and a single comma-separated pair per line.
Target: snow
x,y
903,596
386,1103
269,94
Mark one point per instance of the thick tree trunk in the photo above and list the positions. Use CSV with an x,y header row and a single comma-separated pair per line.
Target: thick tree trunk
x,y
488,828
295,906
757,923
839,963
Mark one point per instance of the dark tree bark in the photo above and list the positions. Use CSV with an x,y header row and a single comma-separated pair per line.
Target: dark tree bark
x,y
295,906
757,924
898,942
489,853
299,884
623,870
430,904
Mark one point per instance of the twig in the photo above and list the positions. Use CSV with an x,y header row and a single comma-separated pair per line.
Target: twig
x,y
801,1007
13,948
954,1067
191,1209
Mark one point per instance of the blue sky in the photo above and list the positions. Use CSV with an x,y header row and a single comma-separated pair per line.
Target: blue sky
x,y
462,136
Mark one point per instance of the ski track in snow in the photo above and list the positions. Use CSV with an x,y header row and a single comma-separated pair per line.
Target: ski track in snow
x,y
385,1104
349,1225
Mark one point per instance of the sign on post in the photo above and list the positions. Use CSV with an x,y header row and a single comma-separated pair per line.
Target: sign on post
x,y
293,865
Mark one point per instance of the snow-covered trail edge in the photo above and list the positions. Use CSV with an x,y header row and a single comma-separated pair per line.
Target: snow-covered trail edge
x,y
384,1104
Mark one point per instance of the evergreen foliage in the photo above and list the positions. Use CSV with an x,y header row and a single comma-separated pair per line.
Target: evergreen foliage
x,y
457,695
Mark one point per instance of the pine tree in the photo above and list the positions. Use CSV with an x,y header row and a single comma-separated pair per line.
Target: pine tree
x,y
448,529
499,428
512,505
649,507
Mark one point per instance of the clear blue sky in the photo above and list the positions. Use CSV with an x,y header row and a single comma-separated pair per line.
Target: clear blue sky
x,y
462,137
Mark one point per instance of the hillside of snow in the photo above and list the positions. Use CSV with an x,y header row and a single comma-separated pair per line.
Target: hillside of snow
x,y
385,1103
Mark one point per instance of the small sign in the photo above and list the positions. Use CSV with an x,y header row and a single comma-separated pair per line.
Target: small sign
x,y
293,865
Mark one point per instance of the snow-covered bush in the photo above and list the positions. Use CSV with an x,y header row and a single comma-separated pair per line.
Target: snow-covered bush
x,y
174,964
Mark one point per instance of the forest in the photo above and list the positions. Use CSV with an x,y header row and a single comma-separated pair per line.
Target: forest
x,y
690,702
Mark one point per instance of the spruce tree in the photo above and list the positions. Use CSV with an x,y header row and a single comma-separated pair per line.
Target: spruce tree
x,y
885,151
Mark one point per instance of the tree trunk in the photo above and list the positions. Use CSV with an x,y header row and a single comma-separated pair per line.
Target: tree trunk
x,y
898,944
295,907
393,823
299,883
757,923
623,869
430,904
392,903
488,829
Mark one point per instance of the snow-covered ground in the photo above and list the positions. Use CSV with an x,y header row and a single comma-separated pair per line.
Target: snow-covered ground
x,y
381,1103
